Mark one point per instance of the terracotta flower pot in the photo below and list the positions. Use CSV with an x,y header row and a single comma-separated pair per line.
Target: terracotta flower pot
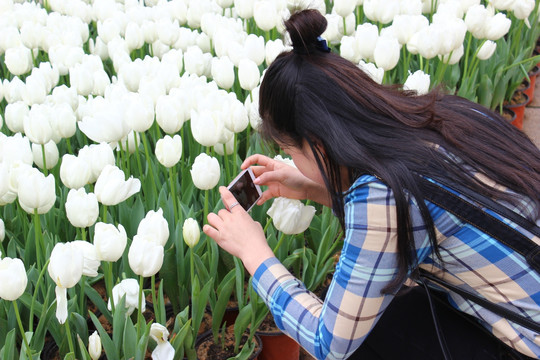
x,y
509,115
532,79
517,104
277,345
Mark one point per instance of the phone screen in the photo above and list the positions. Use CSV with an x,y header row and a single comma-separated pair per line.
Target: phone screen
x,y
244,190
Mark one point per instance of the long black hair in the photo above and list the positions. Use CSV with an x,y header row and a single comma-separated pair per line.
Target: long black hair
x,y
319,97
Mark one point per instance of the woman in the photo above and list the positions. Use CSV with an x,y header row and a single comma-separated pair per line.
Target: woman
x,y
361,149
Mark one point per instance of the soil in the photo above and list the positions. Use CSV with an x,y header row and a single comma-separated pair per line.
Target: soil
x,y
517,98
507,115
523,86
208,350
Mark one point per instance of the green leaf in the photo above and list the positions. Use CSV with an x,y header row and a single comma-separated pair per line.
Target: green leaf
x,y
143,343
485,91
119,321
83,349
129,342
224,292
241,324
9,351
94,296
170,277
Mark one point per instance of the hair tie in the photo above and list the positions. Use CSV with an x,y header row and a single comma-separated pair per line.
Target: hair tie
x,y
320,45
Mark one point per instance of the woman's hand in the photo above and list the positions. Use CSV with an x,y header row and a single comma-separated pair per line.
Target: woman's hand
x,y
284,180
236,232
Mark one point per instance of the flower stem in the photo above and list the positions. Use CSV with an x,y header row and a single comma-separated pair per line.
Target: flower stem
x,y
45,171
70,340
173,194
150,170
82,307
154,300
281,238
109,282
38,238
104,214
205,214
137,154
18,316
139,313
38,283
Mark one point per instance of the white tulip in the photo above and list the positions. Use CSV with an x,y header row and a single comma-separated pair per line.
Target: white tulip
x,y
373,71
97,156
129,144
273,49
347,28
51,154
367,35
36,192
13,279
254,48
90,261
191,232
13,89
169,150
410,7
426,42
134,36
64,121
139,112
75,171
130,289
37,125
349,49
382,11
110,242
522,9
487,50
475,19
36,89
207,127
105,123
248,74
112,188
265,14
454,56
195,61
81,79
65,95
66,269
2,230
223,72
407,25
108,29
14,116
418,81
386,53
145,256
344,7
164,350
7,196
81,208
244,8
236,119
228,147
290,216
154,227
169,116
94,346
18,60
503,4
205,172
497,26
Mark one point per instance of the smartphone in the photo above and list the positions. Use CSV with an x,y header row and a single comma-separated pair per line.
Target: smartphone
x,y
245,190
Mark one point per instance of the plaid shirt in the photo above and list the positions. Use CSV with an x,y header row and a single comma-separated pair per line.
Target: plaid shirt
x,y
473,260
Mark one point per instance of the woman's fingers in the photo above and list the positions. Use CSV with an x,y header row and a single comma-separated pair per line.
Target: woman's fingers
x,y
212,232
256,159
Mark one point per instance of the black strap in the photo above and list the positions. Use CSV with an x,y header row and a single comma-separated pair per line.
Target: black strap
x,y
495,308
494,227
480,219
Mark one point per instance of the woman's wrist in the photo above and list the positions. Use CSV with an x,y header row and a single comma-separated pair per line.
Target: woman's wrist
x,y
253,259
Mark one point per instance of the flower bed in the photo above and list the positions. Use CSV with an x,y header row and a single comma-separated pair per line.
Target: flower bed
x,y
119,121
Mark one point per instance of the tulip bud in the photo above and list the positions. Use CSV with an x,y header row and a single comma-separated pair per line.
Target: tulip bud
x,y
15,114
65,268
36,192
290,216
265,14
18,60
94,346
37,125
244,8
97,156
487,50
112,188
13,278
134,36
386,53
223,72
248,74
109,241
130,289
90,260
344,7
51,154
497,26
273,49
381,11
64,121
207,127
2,230
367,34
169,150
81,208
205,172
74,171
191,232
168,116
254,48
139,112
236,120
418,82
154,227
145,256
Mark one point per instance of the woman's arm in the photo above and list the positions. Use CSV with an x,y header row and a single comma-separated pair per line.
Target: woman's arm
x,y
354,303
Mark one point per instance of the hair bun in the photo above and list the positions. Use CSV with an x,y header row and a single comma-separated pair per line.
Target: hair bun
x,y
305,27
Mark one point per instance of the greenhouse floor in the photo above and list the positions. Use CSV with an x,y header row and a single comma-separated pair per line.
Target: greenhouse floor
x,y
531,121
